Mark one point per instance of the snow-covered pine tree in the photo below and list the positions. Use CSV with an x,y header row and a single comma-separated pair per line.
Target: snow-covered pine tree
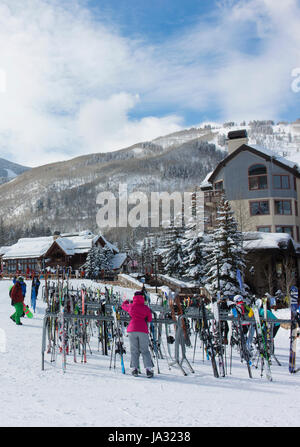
x,y
193,259
225,254
104,259
90,264
172,252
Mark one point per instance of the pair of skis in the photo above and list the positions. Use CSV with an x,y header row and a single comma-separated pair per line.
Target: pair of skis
x,y
262,344
294,329
118,343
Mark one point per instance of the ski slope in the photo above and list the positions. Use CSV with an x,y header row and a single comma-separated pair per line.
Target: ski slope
x,y
92,395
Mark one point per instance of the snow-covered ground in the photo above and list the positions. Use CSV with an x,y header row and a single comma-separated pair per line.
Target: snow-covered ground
x,y
92,395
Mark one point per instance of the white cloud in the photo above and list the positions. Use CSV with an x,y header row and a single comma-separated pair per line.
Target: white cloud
x,y
73,84
105,125
63,71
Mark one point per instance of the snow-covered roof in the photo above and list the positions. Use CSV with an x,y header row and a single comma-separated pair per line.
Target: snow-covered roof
x,y
66,245
29,248
262,241
276,156
118,260
4,249
108,244
206,183
71,244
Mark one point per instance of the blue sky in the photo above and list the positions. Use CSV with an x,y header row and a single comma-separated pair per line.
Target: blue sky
x,y
87,76
153,20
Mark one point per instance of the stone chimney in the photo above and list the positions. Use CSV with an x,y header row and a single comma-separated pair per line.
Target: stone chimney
x,y
236,139
56,235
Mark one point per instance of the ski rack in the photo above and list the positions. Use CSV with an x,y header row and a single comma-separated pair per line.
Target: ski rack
x,y
105,320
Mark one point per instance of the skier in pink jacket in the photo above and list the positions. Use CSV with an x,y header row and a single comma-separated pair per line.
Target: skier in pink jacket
x,y
138,333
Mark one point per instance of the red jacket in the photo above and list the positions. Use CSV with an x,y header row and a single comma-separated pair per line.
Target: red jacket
x,y
16,293
140,314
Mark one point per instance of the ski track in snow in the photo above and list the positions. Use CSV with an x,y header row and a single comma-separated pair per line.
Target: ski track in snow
x,y
92,395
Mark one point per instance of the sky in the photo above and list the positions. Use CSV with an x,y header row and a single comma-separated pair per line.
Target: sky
x,y
86,76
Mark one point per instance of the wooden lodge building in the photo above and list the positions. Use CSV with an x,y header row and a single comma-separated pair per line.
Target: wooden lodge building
x,y
64,250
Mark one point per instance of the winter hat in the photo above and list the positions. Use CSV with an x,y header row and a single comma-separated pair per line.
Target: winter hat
x,y
139,292
237,298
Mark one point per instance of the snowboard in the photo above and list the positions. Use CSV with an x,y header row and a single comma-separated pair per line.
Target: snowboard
x,y
27,311
294,327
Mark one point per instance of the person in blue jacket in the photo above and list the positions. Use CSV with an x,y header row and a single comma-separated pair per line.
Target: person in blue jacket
x,y
270,315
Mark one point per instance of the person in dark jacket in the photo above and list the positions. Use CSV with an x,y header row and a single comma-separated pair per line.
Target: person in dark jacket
x,y
20,279
17,299
34,291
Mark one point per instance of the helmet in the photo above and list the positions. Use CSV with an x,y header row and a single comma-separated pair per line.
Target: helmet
x,y
20,279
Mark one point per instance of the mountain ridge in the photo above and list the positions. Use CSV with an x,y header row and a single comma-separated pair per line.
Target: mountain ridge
x,y
62,195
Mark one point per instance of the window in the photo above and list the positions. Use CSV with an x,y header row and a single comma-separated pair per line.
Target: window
x,y
264,229
283,207
284,229
259,208
219,185
258,177
281,181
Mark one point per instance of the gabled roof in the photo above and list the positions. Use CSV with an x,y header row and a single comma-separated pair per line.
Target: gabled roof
x,y
30,248
264,153
4,249
118,260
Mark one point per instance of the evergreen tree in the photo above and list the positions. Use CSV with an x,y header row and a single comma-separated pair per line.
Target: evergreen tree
x,y
90,264
193,246
104,259
172,252
225,254
193,255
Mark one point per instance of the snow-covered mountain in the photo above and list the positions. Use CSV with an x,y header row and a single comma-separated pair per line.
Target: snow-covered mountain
x,y
9,170
282,137
62,196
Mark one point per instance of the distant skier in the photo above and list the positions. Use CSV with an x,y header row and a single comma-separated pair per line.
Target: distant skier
x,y
138,333
34,291
20,279
17,299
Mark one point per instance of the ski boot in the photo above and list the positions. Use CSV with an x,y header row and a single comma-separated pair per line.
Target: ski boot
x,y
149,373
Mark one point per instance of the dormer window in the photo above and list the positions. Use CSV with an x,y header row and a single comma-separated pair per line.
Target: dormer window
x,y
257,175
219,186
